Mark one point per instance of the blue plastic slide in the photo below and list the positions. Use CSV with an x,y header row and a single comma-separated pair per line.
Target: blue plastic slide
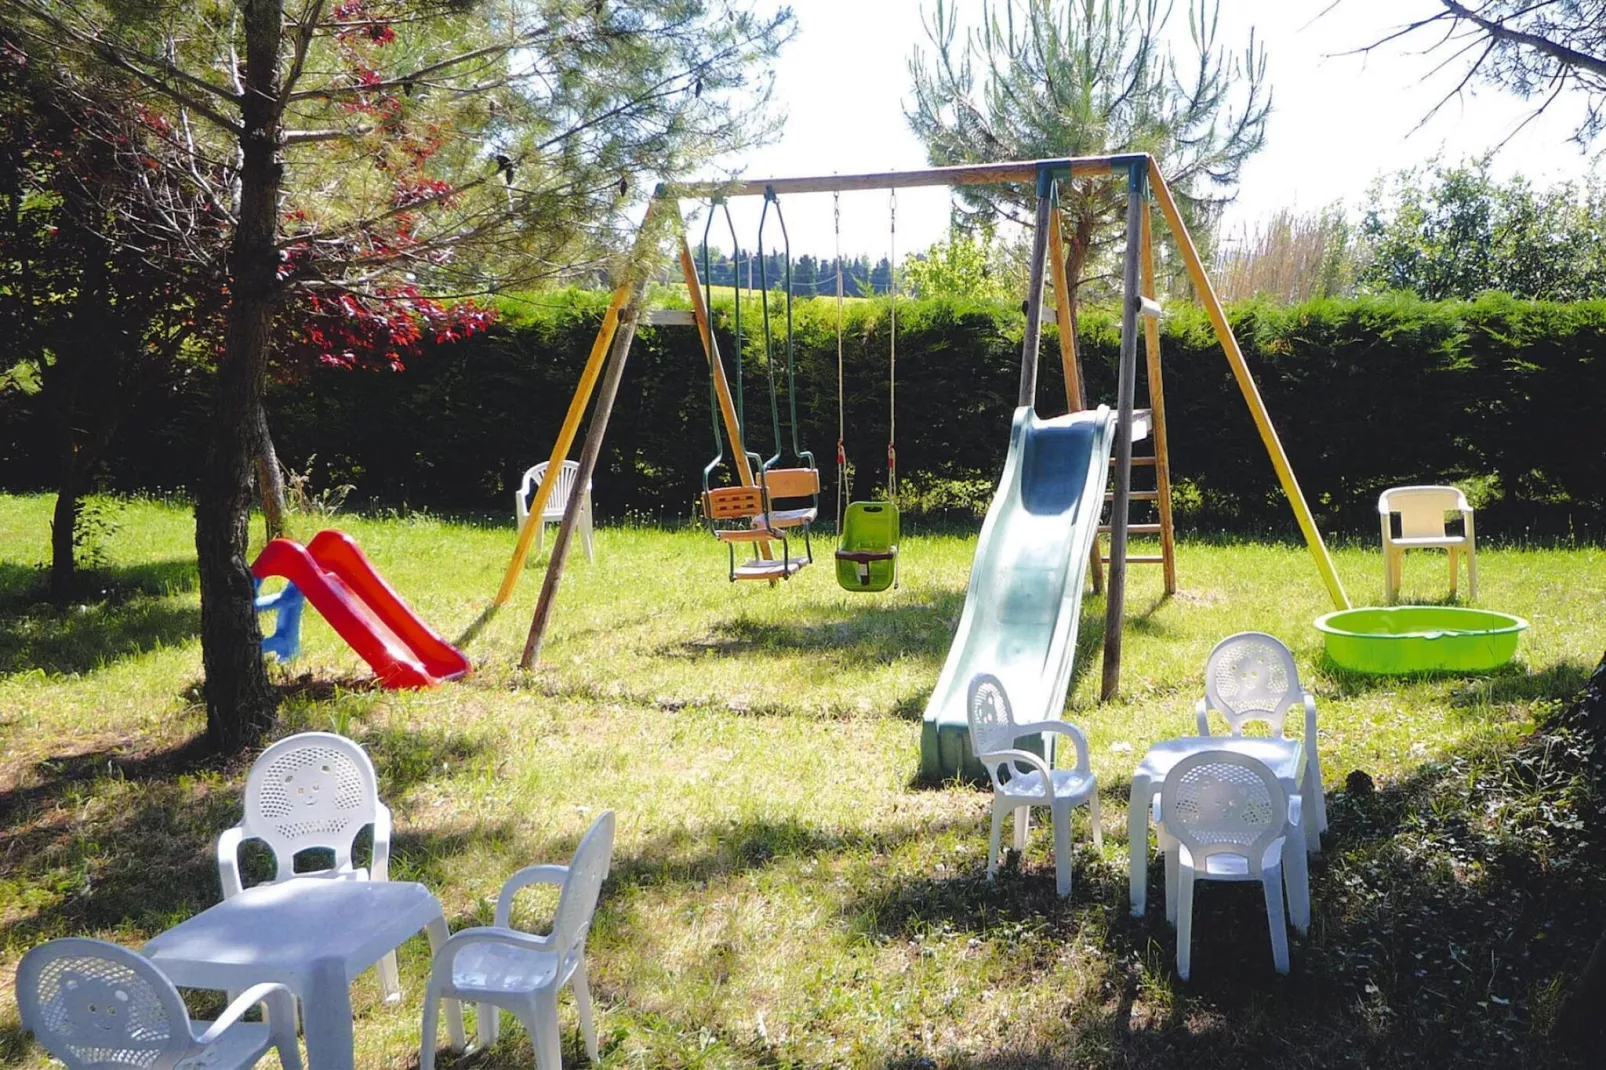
x,y
1025,597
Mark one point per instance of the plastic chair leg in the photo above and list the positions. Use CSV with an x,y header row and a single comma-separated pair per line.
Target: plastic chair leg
x,y
1061,813
1172,864
431,1031
488,1024
390,978
1472,568
541,1022
1272,881
1184,920
1296,881
993,842
1093,816
1023,822
1455,569
582,1005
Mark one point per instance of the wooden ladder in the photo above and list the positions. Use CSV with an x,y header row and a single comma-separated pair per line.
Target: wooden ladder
x,y
1159,498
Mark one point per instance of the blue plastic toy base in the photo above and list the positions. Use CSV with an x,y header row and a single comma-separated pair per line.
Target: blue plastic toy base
x,y
286,605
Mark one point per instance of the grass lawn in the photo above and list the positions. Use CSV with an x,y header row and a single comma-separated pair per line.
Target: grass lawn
x,y
783,892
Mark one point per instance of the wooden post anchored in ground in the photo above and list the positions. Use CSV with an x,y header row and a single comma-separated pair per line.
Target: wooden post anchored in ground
x,y
1126,390
623,337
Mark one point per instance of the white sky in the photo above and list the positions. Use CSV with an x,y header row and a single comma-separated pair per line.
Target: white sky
x,y
1337,121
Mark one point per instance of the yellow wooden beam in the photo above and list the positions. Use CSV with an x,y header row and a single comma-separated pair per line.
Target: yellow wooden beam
x,y
1251,393
1162,453
560,448
1075,399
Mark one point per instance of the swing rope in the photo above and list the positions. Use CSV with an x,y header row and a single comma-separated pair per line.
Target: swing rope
x,y
844,489
892,359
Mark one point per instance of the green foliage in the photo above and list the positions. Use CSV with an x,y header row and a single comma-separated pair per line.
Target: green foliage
x,y
964,265
1444,232
1366,393
1051,78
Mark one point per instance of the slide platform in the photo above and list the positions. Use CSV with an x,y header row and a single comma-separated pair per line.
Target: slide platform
x,y
1024,602
335,575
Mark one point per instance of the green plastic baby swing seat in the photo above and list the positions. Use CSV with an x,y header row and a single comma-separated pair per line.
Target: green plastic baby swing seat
x,y
867,559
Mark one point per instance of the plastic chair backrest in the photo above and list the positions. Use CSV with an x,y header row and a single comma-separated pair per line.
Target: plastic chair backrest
x,y
316,789
1422,509
577,902
1221,802
992,726
93,1004
559,498
1251,677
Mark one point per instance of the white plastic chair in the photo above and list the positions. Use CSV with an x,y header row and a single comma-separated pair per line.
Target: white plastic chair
x,y
1228,819
1022,780
95,1006
502,967
1251,676
313,790
1422,526
552,513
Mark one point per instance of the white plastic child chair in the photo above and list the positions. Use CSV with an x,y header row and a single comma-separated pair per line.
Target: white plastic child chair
x,y
95,1006
552,513
1251,676
1228,819
1022,780
313,790
503,967
1422,525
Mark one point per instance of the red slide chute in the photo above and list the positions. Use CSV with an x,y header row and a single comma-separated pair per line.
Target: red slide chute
x,y
342,585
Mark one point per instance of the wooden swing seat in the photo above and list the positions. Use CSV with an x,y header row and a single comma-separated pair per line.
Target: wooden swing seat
x,y
770,570
785,518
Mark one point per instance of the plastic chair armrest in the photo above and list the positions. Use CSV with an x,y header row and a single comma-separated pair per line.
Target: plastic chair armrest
x,y
485,934
1201,714
277,997
992,759
379,869
544,874
1065,728
228,861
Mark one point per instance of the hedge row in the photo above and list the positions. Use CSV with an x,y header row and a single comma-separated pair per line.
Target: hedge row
x,y
1504,394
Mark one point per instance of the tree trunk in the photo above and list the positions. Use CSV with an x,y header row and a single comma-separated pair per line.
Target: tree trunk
x,y
63,525
270,479
240,701
1075,264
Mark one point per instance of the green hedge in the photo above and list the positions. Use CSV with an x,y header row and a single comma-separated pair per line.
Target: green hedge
x,y
1503,394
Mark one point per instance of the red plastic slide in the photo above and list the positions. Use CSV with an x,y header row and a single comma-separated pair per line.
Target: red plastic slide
x,y
340,582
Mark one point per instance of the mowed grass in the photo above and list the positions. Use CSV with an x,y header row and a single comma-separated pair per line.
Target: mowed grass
x,y
784,893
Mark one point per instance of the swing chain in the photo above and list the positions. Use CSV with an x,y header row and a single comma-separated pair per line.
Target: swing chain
x,y
844,489
892,358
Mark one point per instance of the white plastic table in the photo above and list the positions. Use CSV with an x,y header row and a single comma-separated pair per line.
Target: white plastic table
x,y
311,934
1285,757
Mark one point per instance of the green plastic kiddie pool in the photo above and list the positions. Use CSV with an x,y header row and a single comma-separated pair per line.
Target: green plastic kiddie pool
x,y
1407,639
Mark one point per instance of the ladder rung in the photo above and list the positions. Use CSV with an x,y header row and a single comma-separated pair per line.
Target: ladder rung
x,y
1139,462
1135,529
1145,560
1135,495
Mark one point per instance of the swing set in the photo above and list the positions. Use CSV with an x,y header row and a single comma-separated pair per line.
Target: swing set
x,y
771,506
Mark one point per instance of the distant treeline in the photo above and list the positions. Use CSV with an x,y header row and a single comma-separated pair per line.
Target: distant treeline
x,y
1501,395
811,276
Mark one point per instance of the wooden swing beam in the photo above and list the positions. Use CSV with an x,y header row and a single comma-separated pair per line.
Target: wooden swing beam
x,y
1143,177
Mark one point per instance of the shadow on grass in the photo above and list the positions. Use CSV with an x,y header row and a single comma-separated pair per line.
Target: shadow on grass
x,y
874,633
109,839
123,612
1512,682
1451,909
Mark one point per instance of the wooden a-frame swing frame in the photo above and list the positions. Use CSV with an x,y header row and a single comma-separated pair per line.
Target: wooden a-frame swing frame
x,y
1143,179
